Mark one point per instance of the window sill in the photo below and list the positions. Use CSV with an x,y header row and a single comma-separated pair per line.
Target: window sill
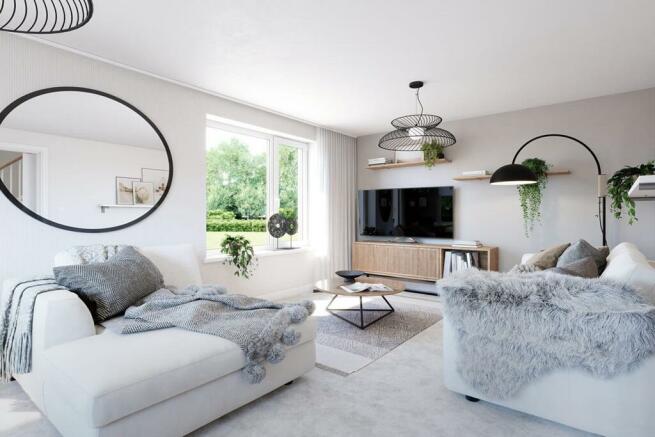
x,y
214,256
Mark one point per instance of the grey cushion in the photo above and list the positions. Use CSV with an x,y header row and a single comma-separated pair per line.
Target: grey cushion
x,y
585,268
581,249
109,288
548,258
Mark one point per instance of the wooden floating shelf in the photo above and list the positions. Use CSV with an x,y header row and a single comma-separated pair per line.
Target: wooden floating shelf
x,y
405,164
488,176
104,208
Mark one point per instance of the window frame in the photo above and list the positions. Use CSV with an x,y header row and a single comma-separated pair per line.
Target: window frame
x,y
273,178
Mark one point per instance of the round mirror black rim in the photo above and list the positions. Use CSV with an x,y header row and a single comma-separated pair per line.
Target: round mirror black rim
x,y
5,112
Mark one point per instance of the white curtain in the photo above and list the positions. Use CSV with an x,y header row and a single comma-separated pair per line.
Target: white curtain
x,y
332,201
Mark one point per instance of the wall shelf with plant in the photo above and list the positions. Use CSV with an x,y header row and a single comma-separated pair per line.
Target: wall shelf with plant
x,y
406,164
619,185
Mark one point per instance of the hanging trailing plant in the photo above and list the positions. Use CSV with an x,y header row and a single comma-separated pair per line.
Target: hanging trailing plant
x,y
240,254
618,186
530,195
432,152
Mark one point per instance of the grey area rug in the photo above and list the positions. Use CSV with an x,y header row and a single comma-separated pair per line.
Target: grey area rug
x,y
344,349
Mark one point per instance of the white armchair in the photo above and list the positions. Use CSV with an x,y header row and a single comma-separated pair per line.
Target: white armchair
x,y
617,407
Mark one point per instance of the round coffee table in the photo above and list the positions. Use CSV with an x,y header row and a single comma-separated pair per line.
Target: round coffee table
x,y
333,286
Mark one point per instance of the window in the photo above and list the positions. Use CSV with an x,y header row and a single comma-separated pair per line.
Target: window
x,y
250,176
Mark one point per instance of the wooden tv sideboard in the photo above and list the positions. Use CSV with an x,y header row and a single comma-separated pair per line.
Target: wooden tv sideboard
x,y
412,260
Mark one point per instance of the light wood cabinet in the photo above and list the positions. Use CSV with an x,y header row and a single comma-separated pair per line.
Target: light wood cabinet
x,y
411,261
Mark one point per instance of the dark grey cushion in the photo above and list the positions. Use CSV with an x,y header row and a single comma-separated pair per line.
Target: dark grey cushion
x,y
579,250
585,268
110,287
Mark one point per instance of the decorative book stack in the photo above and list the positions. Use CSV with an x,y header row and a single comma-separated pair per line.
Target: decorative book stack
x,y
456,261
379,161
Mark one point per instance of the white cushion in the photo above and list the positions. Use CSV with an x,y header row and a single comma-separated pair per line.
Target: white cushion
x,y
526,257
633,269
109,376
625,248
177,263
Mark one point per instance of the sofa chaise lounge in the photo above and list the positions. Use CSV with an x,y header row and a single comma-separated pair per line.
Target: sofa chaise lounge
x,y
90,381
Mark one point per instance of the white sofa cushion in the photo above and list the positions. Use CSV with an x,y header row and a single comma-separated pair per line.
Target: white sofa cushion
x,y
109,376
177,263
625,247
632,268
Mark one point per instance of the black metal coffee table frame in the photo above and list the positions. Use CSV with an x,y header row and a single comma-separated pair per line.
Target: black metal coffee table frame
x,y
361,311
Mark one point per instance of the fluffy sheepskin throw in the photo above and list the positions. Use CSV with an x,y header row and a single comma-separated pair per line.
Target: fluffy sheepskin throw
x,y
514,328
260,327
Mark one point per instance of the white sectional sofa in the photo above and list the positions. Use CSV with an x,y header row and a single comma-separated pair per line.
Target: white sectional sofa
x,y
90,381
620,407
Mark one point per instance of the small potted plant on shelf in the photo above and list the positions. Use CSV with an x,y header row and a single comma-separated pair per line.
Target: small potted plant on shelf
x,y
432,152
240,255
619,185
530,195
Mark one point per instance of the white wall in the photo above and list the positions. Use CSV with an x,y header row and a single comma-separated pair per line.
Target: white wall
x,y
27,246
620,129
82,175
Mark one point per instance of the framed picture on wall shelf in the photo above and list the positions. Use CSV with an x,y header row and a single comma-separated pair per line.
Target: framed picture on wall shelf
x,y
159,179
124,190
143,193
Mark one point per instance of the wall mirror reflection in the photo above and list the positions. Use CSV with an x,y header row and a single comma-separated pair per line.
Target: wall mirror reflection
x,y
82,160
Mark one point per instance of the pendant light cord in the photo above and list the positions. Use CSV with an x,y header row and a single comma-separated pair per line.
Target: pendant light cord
x,y
418,100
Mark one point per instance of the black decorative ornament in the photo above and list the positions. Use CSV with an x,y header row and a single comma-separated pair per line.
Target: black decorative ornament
x,y
414,131
44,16
277,226
292,229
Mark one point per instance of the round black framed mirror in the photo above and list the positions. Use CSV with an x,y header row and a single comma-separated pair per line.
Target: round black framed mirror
x,y
82,160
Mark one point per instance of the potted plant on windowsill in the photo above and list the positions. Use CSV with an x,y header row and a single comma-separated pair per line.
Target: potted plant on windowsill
x,y
619,185
240,255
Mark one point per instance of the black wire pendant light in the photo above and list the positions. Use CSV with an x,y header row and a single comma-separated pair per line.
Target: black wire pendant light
x,y
44,16
413,131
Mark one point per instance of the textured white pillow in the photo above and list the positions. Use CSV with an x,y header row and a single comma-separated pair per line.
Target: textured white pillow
x,y
633,269
625,248
177,263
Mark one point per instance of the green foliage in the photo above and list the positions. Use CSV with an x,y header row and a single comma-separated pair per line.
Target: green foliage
x,y
288,158
530,195
618,186
289,213
234,225
432,152
220,214
240,254
236,180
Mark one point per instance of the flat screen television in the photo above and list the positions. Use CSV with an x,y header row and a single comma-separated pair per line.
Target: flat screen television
x,y
406,212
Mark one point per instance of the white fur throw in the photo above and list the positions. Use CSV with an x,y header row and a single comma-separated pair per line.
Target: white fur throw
x,y
514,328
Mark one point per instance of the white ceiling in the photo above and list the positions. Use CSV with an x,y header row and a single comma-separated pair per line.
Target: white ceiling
x,y
345,64
85,116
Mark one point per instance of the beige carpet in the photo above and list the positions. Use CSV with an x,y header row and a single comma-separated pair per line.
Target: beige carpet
x,y
343,348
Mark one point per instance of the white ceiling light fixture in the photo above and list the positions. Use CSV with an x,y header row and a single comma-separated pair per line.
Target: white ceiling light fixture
x,y
414,131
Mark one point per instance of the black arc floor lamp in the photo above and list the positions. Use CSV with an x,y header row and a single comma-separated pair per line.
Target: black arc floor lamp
x,y
517,174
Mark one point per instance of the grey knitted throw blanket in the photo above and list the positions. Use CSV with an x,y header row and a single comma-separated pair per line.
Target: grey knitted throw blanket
x,y
260,328
16,314
514,328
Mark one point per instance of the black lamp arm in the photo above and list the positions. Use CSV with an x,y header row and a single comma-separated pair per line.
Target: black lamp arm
x,y
561,136
602,212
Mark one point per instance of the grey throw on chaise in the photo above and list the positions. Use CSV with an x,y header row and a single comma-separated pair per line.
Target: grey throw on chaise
x,y
514,328
260,327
